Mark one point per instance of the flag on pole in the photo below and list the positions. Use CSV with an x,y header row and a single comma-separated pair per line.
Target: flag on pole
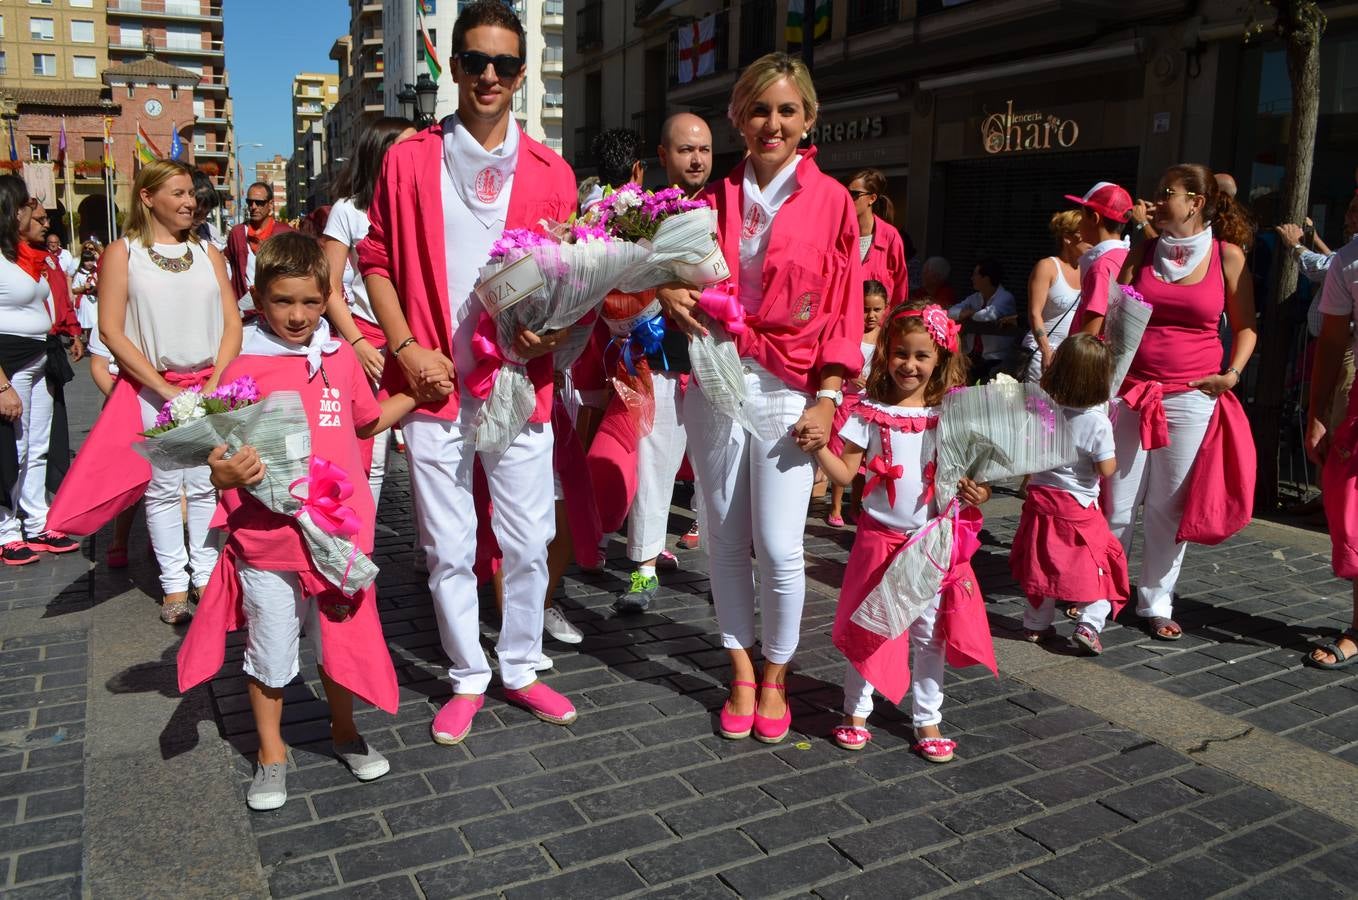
x,y
61,147
147,151
431,53
176,147
108,144
13,149
698,49
797,15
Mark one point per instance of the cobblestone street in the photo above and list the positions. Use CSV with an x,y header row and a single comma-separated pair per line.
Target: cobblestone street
x,y
1214,765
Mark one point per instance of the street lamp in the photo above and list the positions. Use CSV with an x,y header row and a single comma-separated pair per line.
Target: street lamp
x,y
426,98
408,98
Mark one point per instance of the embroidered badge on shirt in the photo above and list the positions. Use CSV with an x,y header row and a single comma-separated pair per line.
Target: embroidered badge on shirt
x,y
754,223
806,306
489,183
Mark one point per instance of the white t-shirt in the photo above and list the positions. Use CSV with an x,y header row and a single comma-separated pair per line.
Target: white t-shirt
x,y
348,224
467,244
24,310
867,348
1092,433
1341,284
1001,305
864,245
757,209
912,431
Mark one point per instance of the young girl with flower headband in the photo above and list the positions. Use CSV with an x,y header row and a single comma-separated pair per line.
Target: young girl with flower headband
x,y
1063,549
916,362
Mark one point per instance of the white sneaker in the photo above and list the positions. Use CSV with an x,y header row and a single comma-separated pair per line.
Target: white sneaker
x,y
542,663
555,624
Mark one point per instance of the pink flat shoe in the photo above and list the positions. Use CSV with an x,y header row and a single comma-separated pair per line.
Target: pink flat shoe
x,y
935,749
851,737
454,721
734,727
768,730
834,521
543,702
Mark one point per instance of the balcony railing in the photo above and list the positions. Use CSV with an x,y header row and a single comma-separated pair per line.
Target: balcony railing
x,y
553,58
758,29
865,15
184,9
589,27
647,125
143,42
721,50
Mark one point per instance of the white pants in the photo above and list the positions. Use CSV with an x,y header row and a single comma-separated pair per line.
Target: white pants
x,y
926,676
1156,478
755,493
658,457
381,441
276,613
520,481
1039,618
165,520
31,432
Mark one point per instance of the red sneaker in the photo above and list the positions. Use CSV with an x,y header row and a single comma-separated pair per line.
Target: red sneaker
x,y
49,542
17,553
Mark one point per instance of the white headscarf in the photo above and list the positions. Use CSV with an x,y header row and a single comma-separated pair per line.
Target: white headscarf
x,y
260,340
1176,257
481,177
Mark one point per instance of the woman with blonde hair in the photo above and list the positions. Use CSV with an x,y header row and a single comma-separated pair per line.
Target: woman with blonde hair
x,y
168,317
790,237
1053,293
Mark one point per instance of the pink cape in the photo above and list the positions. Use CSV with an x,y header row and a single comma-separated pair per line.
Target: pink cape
x,y
962,624
1339,490
577,488
1065,550
108,476
356,654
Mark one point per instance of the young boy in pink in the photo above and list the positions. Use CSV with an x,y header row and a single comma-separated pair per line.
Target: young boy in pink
x,y
266,579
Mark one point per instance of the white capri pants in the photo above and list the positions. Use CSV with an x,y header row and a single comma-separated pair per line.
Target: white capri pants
x,y
520,481
165,521
31,432
1040,618
926,675
276,614
659,455
1156,478
755,493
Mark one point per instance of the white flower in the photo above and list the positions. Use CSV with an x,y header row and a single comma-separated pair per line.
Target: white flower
x,y
186,407
624,200
1002,378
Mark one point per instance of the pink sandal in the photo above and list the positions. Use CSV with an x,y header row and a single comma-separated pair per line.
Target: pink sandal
x,y
735,727
935,749
851,737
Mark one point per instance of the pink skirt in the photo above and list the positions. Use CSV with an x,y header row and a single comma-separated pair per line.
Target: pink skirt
x,y
1065,550
1339,491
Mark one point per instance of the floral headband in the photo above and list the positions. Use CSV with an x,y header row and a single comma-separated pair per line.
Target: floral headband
x,y
942,329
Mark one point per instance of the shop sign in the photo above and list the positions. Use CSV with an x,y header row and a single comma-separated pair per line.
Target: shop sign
x,y
1011,132
852,130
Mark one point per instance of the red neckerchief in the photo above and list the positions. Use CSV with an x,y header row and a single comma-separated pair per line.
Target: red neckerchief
x,y
32,260
255,238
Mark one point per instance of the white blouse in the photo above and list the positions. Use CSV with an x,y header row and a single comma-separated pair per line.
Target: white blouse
x,y
23,303
174,318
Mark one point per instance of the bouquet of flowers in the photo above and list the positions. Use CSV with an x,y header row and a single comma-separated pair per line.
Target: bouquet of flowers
x,y
541,283
681,235
310,490
994,431
1123,327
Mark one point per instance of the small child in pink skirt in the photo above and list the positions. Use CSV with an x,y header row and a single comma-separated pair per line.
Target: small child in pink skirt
x,y
1063,549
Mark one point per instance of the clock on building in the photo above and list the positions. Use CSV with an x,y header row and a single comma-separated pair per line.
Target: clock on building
x,y
153,107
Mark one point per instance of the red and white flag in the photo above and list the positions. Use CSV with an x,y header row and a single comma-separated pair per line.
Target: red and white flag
x,y
698,49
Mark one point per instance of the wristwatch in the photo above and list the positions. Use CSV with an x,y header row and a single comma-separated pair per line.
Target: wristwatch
x,y
835,397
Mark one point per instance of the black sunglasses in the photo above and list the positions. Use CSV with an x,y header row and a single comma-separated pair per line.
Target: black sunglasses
x,y
856,194
474,62
251,201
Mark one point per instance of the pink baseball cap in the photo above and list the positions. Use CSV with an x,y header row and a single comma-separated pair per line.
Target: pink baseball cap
x,y
1106,199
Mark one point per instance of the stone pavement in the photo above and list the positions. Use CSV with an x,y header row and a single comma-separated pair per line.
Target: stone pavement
x,y
1214,765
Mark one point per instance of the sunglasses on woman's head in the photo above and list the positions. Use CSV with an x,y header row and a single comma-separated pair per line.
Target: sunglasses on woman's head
x,y
1165,193
474,62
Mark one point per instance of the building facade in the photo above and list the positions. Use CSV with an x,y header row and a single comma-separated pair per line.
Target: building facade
x,y
983,114
274,172
56,45
313,95
539,104
188,34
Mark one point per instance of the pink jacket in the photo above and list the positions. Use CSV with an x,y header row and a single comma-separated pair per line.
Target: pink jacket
x,y
812,312
886,262
405,243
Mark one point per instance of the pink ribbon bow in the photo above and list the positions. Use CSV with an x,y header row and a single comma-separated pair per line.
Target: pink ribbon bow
x,y
929,472
488,356
720,302
327,487
1147,398
884,475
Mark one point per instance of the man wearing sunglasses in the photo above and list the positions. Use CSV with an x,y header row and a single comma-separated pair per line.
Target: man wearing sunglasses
x,y
444,197
242,243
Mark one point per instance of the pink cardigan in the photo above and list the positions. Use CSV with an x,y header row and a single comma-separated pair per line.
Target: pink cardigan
x,y
886,262
405,243
812,312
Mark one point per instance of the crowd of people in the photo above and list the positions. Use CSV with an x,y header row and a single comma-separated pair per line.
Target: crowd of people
x,y
368,312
